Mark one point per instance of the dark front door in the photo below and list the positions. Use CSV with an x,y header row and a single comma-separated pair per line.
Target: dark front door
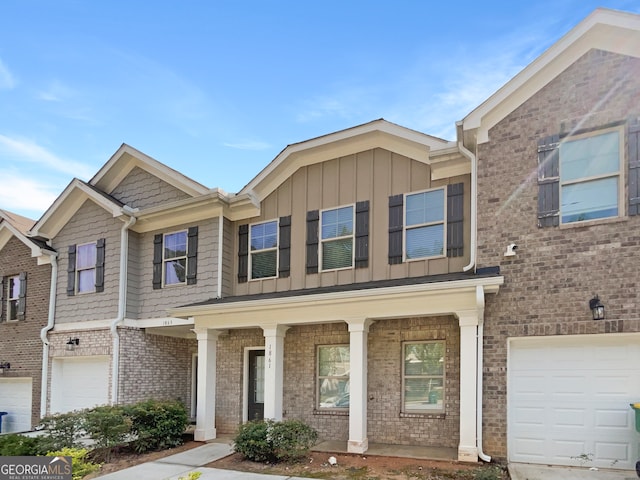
x,y
255,402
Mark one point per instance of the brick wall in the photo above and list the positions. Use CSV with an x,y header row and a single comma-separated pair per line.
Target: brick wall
x,y
557,269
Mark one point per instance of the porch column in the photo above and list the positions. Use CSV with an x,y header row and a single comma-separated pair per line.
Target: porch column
x,y
467,449
206,391
358,334
273,370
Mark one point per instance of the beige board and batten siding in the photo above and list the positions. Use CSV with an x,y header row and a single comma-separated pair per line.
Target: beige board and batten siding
x,y
372,175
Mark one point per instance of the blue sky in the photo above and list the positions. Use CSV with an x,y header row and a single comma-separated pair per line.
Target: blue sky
x,y
216,89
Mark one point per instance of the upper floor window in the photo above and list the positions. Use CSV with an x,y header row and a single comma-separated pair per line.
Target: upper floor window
x,y
423,376
424,226
13,289
590,177
337,238
13,297
175,258
264,249
333,376
86,268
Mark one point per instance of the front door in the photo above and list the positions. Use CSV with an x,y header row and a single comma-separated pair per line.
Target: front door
x,y
255,402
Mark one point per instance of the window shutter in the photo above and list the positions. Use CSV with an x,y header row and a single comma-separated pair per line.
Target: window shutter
x,y
71,271
157,261
455,224
548,182
192,255
313,219
243,253
100,265
284,247
362,234
22,296
634,169
2,305
396,203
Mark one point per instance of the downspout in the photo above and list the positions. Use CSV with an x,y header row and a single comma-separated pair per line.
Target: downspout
x,y
480,358
220,256
44,332
474,205
122,302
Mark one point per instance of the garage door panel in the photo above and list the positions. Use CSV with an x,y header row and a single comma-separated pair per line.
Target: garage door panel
x,y
15,399
569,417
612,419
613,451
79,382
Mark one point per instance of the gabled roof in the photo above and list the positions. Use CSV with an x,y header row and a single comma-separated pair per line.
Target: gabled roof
x,y
14,225
376,134
603,29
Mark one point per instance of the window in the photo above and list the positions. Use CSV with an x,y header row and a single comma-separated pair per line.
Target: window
x,y
333,376
86,268
337,238
264,249
590,177
13,297
424,224
423,377
175,258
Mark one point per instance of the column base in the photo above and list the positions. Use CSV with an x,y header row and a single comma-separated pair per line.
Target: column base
x,y
467,454
204,434
355,446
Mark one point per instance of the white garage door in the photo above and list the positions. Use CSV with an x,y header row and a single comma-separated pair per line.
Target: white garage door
x,y
569,396
15,399
79,382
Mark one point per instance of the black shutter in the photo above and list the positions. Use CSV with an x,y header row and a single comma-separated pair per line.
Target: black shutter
x,y
22,298
2,305
284,247
100,252
157,261
634,169
455,224
192,255
71,271
362,234
396,203
548,182
243,253
313,219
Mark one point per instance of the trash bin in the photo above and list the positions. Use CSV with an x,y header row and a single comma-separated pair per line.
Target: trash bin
x,y
636,407
2,414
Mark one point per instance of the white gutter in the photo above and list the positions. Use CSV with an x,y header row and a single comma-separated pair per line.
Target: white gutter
x,y
474,205
220,240
43,334
480,358
122,303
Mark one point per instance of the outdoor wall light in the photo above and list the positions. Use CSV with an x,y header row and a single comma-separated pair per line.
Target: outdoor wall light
x,y
72,343
597,308
4,366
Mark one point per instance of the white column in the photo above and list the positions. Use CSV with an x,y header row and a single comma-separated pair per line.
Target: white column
x,y
467,449
206,392
273,370
358,334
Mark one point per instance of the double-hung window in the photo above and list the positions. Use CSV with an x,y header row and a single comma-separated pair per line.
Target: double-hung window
x,y
13,297
333,376
590,167
264,249
175,258
423,377
86,268
337,238
424,225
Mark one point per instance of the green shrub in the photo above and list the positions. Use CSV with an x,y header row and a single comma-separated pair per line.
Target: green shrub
x,y
81,466
108,427
266,440
15,445
156,425
64,430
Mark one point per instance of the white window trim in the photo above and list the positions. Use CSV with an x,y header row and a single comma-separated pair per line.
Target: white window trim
x,y
352,236
406,227
619,175
165,260
78,269
14,299
318,377
426,411
276,248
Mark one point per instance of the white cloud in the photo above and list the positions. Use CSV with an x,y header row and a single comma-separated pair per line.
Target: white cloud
x,y
7,80
27,151
249,145
25,196
56,92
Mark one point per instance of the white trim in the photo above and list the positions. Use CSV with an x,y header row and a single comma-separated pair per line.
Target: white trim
x,y
194,384
342,237
445,390
12,299
268,249
317,376
185,256
94,268
406,227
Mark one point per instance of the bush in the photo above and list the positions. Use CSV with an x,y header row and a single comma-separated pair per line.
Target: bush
x,y
64,430
107,426
81,466
266,440
157,425
14,445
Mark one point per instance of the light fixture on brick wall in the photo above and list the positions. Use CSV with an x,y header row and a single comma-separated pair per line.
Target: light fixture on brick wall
x,y
4,366
597,308
72,344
